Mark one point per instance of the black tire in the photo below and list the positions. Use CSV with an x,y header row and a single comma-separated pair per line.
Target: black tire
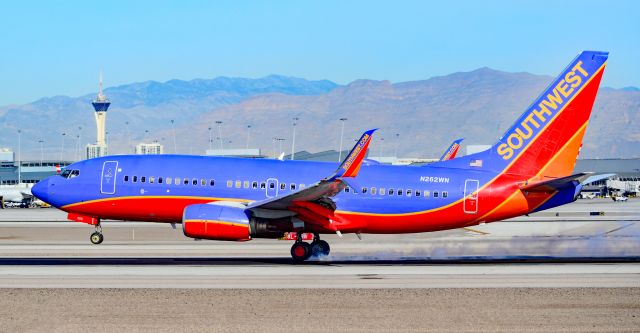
x,y
96,238
300,251
320,248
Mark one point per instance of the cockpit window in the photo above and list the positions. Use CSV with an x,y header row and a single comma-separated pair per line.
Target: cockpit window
x,y
67,173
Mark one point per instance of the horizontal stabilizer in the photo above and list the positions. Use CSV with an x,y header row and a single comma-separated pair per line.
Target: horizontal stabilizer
x,y
557,183
595,178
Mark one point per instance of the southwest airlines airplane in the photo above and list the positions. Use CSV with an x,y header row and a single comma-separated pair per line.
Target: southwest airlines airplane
x,y
235,199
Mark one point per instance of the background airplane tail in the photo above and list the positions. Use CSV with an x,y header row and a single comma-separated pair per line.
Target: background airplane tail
x,y
545,141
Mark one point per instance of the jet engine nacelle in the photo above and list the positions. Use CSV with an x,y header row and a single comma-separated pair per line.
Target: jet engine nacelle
x,y
219,222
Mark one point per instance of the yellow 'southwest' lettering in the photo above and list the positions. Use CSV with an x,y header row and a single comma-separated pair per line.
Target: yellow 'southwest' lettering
x,y
554,100
505,151
562,88
539,114
578,66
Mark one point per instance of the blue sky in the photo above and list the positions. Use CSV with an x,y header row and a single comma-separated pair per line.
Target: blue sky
x,y
58,47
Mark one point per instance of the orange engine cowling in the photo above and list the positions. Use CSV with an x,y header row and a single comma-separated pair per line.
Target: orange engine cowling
x,y
215,222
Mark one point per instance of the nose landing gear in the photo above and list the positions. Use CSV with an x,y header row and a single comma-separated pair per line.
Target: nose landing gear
x,y
301,251
96,237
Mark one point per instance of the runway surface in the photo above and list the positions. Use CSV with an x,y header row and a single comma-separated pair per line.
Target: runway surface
x,y
576,269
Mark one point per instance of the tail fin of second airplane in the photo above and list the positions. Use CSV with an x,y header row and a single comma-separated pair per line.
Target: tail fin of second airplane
x,y
545,141
451,152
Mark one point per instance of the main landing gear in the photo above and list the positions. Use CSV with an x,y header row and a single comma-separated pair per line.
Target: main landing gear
x,y
96,236
301,251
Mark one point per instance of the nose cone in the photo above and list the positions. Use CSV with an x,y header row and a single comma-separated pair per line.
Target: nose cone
x,y
41,190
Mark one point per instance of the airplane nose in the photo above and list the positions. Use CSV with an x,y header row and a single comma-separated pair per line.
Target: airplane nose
x,y
41,190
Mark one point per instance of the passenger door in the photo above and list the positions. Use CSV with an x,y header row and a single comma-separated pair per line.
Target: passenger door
x,y
108,177
470,205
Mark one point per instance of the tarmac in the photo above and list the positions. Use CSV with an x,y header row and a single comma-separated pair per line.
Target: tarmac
x,y
575,268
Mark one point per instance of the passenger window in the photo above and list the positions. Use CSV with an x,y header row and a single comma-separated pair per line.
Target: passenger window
x,y
212,182
391,191
135,179
169,180
445,194
346,189
159,180
194,182
152,179
126,178
292,186
399,192
203,182
254,185
185,181
272,185
426,194
373,191
283,186
417,193
246,184
229,183
382,191
176,181
435,194
263,185
143,179
409,192
364,190
301,186
238,184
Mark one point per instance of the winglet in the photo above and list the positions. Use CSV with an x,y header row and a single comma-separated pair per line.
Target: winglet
x,y
351,164
451,152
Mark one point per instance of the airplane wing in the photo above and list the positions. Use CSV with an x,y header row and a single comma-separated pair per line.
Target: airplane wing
x,y
313,203
451,152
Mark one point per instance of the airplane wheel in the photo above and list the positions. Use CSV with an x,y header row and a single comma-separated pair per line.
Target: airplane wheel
x,y
300,251
320,248
96,238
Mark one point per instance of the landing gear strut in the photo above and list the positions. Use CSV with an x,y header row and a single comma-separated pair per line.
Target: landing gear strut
x,y
301,251
96,236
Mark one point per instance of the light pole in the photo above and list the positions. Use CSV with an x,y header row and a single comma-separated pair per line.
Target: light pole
x,y
41,142
79,142
175,147
210,139
248,133
126,123
274,146
381,144
220,132
293,141
341,135
78,150
62,146
19,157
280,145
